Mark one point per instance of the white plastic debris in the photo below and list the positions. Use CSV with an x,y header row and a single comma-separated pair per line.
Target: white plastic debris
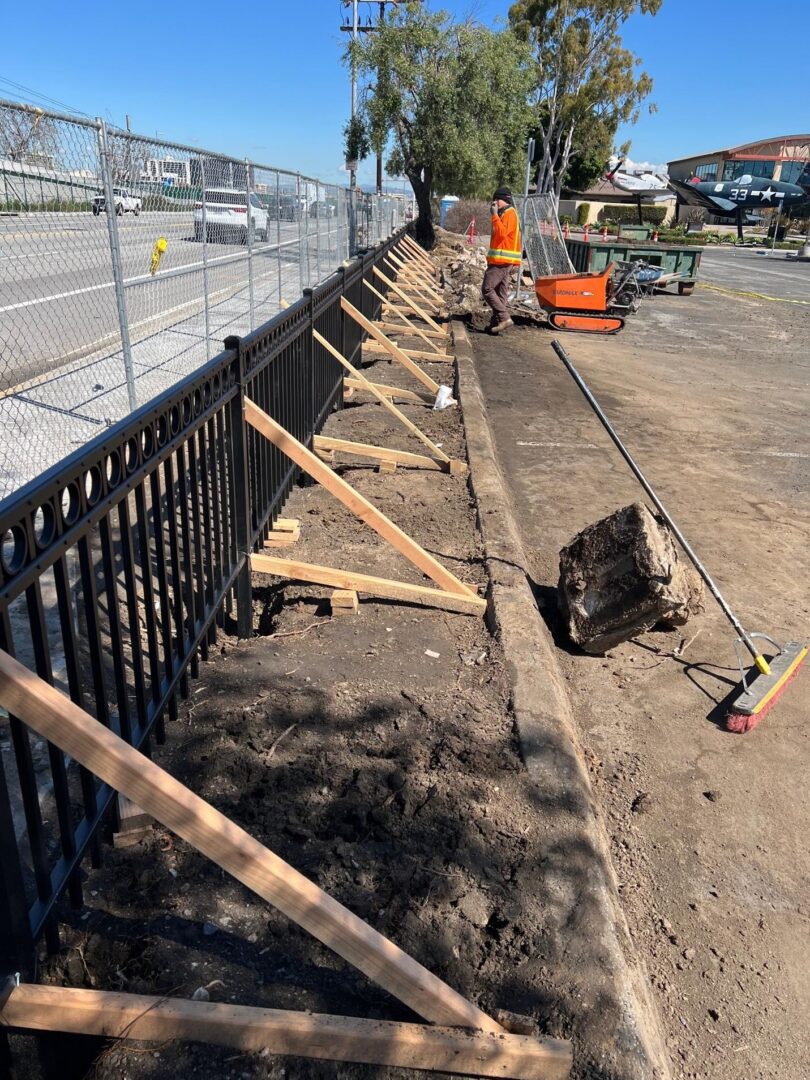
x,y
444,399
433,655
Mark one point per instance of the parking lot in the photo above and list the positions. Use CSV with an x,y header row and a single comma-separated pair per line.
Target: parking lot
x,y
770,273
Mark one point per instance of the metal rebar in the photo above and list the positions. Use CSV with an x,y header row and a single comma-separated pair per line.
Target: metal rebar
x,y
642,479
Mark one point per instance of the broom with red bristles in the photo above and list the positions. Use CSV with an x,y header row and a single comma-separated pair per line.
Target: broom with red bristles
x,y
759,695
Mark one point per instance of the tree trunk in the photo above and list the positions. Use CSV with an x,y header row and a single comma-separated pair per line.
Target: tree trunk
x,y
420,182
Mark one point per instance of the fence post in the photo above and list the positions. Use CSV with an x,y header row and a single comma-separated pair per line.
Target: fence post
x,y
240,493
16,942
318,274
250,232
115,254
206,290
278,234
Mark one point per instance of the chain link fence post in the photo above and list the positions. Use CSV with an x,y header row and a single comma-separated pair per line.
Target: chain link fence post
x,y
278,234
204,234
249,244
115,255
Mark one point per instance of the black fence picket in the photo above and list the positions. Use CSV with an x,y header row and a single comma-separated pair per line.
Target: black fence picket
x,y
118,565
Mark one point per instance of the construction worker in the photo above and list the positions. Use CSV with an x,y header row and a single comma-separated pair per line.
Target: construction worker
x,y
504,256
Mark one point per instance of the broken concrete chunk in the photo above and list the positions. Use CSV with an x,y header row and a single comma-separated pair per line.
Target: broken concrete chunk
x,y
621,576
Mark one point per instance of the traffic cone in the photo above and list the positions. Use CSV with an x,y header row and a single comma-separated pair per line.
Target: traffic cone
x,y
655,236
604,233
585,234
566,231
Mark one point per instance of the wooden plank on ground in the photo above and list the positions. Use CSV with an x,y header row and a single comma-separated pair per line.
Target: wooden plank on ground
x,y
393,349
395,328
391,391
384,453
354,501
250,1029
383,400
384,588
415,354
57,719
408,302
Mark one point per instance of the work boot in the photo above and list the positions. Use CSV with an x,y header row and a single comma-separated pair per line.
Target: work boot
x,y
504,324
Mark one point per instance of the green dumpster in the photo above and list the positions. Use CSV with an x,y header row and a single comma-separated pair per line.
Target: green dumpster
x,y
593,255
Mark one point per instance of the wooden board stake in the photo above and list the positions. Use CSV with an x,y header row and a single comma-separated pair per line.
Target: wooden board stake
x,y
383,400
250,1029
344,602
395,328
57,719
384,465
354,501
279,538
393,349
383,588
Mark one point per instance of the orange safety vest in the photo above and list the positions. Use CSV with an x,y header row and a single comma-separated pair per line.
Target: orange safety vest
x,y
506,246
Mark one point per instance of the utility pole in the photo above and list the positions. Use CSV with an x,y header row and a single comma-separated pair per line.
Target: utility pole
x,y
354,28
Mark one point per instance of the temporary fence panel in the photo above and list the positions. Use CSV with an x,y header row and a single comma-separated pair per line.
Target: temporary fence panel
x,y
125,261
543,238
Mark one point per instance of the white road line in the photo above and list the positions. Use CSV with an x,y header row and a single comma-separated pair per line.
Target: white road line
x,y
33,255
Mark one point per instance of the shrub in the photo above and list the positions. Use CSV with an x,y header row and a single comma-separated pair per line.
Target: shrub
x,y
583,212
464,211
566,219
628,215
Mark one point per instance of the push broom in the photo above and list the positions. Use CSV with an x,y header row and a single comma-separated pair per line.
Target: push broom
x,y
765,682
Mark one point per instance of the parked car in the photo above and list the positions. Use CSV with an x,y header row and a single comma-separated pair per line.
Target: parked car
x,y
226,217
285,208
122,200
323,208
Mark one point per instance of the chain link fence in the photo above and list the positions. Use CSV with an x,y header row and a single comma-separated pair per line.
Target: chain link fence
x,y
125,261
543,238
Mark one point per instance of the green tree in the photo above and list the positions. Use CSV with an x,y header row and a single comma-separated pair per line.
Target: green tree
x,y
587,82
449,101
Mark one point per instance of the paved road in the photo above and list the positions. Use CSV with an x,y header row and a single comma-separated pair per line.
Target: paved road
x,y
62,372
708,830
746,269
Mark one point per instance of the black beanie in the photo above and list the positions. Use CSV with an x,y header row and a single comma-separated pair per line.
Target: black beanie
x,y
504,193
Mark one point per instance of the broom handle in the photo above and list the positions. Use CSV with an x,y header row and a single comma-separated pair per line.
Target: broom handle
x,y
642,479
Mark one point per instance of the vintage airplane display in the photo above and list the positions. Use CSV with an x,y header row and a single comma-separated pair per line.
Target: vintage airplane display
x,y
730,198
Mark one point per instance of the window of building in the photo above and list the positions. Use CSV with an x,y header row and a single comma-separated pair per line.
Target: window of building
x,y
707,172
733,170
792,171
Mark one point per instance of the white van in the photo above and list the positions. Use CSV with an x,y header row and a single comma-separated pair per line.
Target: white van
x,y
226,217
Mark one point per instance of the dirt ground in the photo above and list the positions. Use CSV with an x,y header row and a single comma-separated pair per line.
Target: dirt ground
x,y
388,774
708,829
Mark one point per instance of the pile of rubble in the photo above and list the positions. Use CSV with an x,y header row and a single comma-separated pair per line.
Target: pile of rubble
x,y
463,265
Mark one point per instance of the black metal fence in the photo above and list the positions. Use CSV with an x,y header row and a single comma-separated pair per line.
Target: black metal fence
x,y
118,565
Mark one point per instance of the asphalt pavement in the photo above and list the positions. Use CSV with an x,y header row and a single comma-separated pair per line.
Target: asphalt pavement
x,y
770,273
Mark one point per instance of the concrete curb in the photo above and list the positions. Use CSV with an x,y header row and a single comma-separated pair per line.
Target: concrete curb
x,y
599,989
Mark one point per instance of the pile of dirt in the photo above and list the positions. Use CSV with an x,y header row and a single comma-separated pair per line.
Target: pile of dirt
x,y
378,755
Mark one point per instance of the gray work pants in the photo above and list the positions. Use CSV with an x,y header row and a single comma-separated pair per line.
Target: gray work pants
x,y
495,291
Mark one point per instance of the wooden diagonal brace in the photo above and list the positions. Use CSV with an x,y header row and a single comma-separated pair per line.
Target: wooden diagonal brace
x,y
393,349
354,501
430,303
419,254
248,1028
385,588
395,328
383,400
419,277
408,302
56,718
408,327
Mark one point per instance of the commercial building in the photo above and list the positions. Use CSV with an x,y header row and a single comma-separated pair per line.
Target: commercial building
x,y
781,158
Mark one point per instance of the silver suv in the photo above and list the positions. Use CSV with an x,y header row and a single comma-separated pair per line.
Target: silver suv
x,y
226,217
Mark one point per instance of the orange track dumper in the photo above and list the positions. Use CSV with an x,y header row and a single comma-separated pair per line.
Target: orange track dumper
x,y
580,302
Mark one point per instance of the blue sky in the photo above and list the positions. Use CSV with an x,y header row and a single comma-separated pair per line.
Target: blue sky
x,y
270,85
